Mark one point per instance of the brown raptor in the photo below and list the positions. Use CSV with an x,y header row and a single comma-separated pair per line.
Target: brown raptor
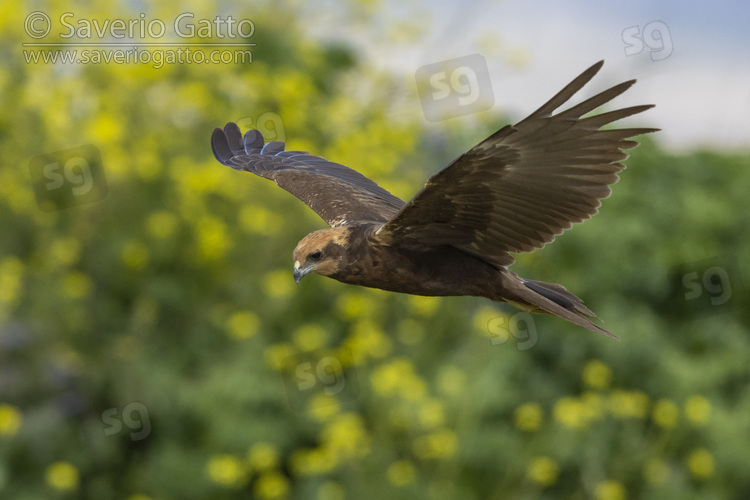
x,y
513,192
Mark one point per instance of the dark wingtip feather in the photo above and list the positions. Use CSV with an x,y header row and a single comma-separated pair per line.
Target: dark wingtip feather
x,y
220,146
273,148
599,99
229,142
253,140
234,137
597,121
566,93
587,75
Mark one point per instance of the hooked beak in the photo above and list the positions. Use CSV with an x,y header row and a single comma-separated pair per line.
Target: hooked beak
x,y
300,273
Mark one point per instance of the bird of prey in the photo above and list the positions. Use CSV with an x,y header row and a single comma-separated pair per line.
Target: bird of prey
x,y
513,192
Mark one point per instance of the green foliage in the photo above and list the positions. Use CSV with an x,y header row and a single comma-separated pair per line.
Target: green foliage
x,y
154,345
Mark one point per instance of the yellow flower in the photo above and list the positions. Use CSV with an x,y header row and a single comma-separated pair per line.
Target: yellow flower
x,y
346,436
226,470
665,413
258,219
424,306
310,337
147,163
135,255
387,379
11,19
105,128
242,325
628,404
401,473
656,471
368,340
263,456
62,476
76,285
310,462
543,471
272,485
213,238
194,179
701,463
10,420
528,416
439,444
278,284
451,381
352,305
570,412
482,320
413,388
697,410
596,374
11,272
277,355
431,414
65,250
593,405
609,490
161,224
323,406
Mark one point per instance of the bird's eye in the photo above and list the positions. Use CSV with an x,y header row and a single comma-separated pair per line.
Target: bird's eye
x,y
316,255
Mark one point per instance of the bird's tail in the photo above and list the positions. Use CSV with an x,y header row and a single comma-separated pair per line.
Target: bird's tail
x,y
550,298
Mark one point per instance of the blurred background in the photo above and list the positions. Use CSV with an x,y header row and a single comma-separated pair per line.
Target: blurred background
x,y
153,344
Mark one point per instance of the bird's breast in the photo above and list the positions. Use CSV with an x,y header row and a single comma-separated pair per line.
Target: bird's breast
x,y
440,271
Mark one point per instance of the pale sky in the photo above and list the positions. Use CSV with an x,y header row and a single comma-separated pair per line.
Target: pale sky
x,y
698,74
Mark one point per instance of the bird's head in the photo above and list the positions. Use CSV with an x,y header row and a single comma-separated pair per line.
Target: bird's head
x,y
322,252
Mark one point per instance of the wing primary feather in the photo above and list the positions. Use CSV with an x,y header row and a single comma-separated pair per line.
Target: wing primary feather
x,y
253,140
566,93
220,146
592,103
596,121
272,148
234,138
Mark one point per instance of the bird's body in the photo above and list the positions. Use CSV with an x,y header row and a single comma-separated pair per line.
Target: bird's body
x,y
513,192
362,258
438,271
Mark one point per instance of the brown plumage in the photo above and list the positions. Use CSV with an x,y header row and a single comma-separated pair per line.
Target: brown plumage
x,y
513,192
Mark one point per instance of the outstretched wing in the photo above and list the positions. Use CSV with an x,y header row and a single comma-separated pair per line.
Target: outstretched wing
x,y
523,185
337,193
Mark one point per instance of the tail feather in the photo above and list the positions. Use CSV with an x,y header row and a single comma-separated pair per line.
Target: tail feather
x,y
560,295
550,298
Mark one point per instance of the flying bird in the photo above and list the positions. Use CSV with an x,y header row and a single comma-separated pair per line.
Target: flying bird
x,y
513,192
